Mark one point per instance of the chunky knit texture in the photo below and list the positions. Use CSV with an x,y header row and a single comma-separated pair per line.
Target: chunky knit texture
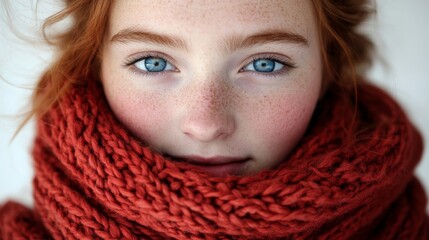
x,y
351,177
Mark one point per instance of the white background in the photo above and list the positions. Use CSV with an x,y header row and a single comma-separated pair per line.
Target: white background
x,y
400,30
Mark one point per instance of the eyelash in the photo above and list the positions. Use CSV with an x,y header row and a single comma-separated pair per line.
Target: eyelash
x,y
129,63
288,66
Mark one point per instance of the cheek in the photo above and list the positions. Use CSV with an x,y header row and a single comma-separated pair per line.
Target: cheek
x,y
280,120
141,113
287,119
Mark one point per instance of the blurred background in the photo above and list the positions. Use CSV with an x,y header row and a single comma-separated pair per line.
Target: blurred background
x,y
399,28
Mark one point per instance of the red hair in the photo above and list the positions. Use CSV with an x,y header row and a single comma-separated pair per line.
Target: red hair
x,y
78,51
346,52
344,49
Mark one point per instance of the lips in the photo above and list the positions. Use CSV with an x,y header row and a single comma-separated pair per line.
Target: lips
x,y
216,166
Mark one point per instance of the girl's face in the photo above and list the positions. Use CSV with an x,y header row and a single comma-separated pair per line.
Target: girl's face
x,y
228,86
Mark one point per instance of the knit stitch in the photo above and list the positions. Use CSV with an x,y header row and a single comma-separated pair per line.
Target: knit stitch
x,y
351,177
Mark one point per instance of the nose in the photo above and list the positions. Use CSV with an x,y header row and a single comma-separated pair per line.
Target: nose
x,y
208,115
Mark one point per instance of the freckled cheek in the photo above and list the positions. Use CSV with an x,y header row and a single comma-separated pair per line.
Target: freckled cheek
x,y
281,121
145,116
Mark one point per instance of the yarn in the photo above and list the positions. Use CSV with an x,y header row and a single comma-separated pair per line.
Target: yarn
x,y
351,177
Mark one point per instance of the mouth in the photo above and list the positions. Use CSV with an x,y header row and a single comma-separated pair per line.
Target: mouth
x,y
216,166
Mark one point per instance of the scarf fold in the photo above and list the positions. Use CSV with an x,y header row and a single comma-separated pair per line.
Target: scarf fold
x,y
351,177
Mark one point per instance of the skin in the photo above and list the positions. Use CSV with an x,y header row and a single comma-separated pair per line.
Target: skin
x,y
209,103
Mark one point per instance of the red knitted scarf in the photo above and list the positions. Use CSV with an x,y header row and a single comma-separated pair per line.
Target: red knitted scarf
x,y
351,177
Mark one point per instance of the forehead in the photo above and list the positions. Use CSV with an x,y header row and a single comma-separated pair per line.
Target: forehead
x,y
221,15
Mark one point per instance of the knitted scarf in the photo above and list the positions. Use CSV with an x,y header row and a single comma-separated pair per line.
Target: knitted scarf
x,y
351,177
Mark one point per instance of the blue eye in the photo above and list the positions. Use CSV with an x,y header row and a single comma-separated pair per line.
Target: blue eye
x,y
153,64
264,65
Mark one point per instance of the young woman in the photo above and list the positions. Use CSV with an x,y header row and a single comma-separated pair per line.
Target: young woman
x,y
218,120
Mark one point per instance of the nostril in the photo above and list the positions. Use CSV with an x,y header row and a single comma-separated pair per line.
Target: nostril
x,y
202,130
208,128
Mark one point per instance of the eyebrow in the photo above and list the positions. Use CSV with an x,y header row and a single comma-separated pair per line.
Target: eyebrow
x,y
132,35
271,36
232,42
